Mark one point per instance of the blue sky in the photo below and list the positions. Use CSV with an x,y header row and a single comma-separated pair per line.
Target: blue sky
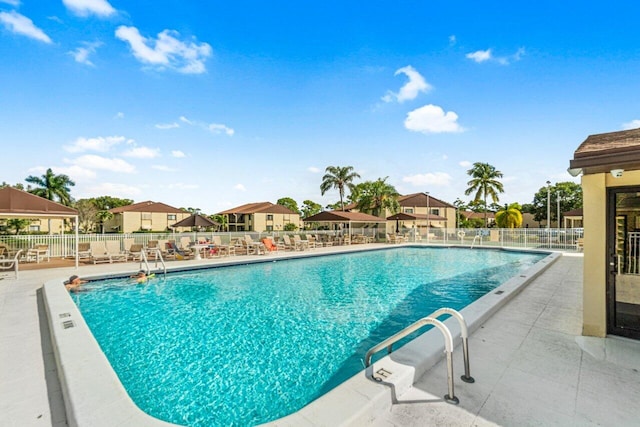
x,y
217,104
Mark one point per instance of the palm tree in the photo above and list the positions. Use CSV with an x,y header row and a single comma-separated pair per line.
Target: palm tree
x,y
52,187
338,177
374,197
102,217
510,217
485,183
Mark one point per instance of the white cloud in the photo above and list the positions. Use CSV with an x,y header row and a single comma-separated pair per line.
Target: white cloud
x,y
92,161
239,187
182,186
100,8
165,126
119,115
633,124
432,119
411,89
142,153
164,168
465,163
480,55
185,120
486,55
20,24
81,54
218,129
74,172
116,190
101,144
178,154
313,169
166,51
452,40
441,179
15,3
445,157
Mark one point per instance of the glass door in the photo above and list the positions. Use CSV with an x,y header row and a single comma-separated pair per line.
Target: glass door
x,y
623,249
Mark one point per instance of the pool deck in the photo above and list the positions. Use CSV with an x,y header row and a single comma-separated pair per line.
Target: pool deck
x,y
530,363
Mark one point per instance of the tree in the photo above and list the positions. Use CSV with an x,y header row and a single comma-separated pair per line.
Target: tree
x,y
222,220
17,224
485,184
52,187
509,217
310,208
102,217
339,178
87,211
290,227
105,203
374,197
570,195
289,203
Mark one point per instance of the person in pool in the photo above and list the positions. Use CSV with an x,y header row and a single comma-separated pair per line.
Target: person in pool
x,y
74,283
142,276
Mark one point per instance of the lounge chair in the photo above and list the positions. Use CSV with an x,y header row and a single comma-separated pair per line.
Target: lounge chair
x,y
288,244
113,250
269,245
134,253
84,250
175,252
99,253
8,264
253,247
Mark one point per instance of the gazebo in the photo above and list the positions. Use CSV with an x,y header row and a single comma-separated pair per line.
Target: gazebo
x,y
350,219
16,203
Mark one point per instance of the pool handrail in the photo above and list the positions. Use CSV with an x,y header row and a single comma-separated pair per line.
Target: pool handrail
x,y
464,335
448,345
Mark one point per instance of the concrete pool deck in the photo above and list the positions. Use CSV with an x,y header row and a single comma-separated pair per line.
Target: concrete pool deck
x,y
528,366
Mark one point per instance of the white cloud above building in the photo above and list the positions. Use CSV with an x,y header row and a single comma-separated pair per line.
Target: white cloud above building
x,y
432,119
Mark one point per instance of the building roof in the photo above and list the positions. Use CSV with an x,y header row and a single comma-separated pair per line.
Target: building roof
x,y
605,151
148,206
403,216
14,202
420,199
575,212
261,207
343,216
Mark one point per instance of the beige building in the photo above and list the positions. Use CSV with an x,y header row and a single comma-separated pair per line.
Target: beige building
x,y
260,217
144,216
610,168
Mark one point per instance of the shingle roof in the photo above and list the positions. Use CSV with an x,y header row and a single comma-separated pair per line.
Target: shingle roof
x,y
18,202
343,216
148,206
605,151
261,207
420,199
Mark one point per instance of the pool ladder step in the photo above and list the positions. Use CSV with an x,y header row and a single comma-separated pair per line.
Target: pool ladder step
x,y
448,345
157,256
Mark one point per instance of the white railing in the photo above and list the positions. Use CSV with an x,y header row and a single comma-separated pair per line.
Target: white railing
x,y
541,238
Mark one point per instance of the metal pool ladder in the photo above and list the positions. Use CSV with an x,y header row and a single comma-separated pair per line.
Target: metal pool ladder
x,y
448,345
158,256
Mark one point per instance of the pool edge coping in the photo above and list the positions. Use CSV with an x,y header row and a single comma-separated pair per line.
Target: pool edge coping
x,y
94,395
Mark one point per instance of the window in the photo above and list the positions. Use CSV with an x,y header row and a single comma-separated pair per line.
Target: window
x,y
435,211
171,217
408,210
145,215
269,228
34,228
269,217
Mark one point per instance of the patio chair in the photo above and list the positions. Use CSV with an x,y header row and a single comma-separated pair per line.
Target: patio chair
x,y
134,253
113,250
253,247
8,264
288,244
224,249
38,252
99,253
269,245
84,250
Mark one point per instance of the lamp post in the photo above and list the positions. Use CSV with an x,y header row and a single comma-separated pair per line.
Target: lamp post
x,y
548,204
428,213
558,200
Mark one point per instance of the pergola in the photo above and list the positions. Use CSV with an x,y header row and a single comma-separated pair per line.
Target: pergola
x,y
341,217
16,203
415,218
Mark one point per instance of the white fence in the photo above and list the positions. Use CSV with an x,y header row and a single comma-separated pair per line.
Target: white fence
x,y
554,238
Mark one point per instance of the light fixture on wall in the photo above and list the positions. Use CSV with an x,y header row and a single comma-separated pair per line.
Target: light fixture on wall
x,y
574,171
617,173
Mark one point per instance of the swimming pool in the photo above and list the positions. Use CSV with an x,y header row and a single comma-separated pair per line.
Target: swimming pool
x,y
247,344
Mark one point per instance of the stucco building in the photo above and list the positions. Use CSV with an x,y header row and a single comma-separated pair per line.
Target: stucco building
x,y
260,217
144,216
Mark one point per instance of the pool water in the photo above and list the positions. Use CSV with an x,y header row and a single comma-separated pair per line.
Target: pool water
x,y
248,344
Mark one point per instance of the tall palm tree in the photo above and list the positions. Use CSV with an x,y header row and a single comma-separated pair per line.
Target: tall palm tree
x,y
338,177
485,184
510,216
374,197
52,187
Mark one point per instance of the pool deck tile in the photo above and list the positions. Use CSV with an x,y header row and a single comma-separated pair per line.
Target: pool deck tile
x,y
530,364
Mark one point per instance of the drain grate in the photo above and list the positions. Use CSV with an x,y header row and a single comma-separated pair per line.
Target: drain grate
x,y
63,315
68,324
499,292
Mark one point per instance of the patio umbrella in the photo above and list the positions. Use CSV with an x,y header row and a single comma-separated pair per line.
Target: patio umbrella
x,y
195,220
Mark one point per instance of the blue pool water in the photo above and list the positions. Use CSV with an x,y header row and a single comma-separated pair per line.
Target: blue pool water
x,y
247,344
